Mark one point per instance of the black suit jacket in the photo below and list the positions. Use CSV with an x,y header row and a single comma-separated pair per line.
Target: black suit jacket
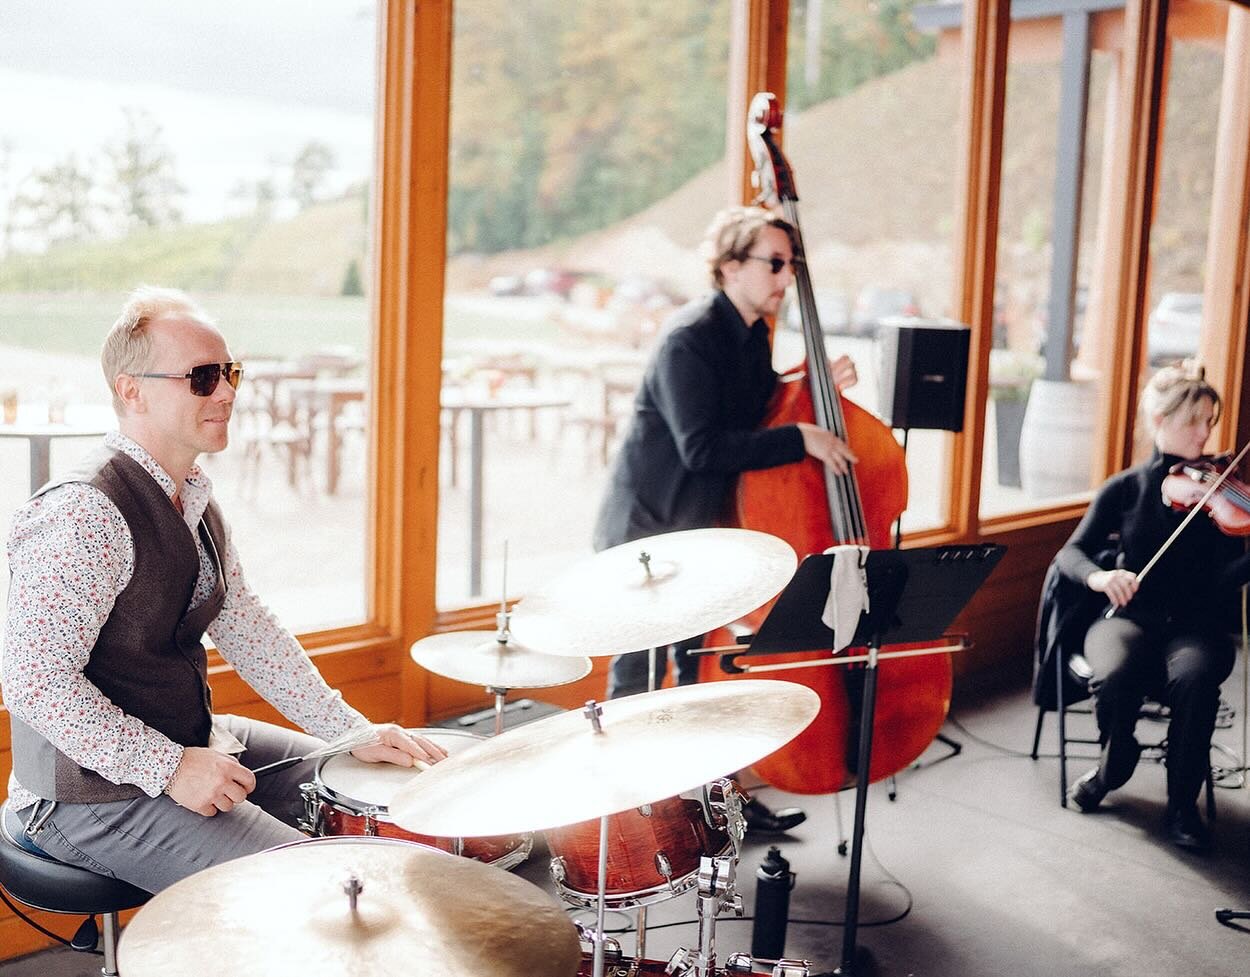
x,y
695,425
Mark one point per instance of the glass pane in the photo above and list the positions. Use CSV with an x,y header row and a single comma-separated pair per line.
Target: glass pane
x,y
234,168
1040,415
585,151
1182,215
872,110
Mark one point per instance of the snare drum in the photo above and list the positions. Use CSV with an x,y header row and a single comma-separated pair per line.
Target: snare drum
x,y
351,797
653,850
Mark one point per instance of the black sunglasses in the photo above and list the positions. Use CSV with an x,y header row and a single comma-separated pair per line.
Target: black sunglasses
x,y
776,264
204,378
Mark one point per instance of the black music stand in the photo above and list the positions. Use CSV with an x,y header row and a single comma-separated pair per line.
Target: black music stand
x,y
914,595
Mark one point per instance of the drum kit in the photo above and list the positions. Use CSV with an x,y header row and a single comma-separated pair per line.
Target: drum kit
x,y
630,793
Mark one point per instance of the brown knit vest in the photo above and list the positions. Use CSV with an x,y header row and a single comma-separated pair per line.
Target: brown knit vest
x,y
148,658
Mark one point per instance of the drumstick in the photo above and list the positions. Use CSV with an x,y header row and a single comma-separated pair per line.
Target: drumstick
x,y
421,765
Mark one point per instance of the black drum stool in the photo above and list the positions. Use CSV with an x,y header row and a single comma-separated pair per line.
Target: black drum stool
x,y
41,882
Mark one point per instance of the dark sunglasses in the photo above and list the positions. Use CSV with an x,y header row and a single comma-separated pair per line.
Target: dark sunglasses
x,y
776,264
204,378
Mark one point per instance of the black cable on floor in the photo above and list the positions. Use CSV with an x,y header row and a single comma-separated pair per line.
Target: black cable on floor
x,y
46,932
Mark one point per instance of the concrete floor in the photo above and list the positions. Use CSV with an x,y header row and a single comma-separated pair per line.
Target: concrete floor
x,y
998,878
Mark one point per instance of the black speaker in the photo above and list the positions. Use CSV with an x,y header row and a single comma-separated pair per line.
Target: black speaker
x,y
924,373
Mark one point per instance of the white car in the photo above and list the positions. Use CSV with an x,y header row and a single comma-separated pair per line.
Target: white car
x,y
1174,327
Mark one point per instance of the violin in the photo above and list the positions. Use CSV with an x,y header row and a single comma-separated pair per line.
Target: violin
x,y
1188,484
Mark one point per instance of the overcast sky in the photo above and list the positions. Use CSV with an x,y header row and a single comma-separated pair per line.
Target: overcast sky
x,y
237,86
315,52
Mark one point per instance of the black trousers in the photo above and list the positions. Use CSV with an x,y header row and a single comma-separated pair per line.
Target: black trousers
x,y
1180,667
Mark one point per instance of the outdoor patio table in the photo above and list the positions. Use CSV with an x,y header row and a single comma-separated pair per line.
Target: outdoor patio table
x,y
40,435
477,403
329,395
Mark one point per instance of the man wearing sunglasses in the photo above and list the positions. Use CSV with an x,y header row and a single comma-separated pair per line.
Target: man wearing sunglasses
x,y
696,420
119,764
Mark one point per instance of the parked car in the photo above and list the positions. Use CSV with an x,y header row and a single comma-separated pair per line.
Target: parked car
x,y
1174,327
876,302
833,309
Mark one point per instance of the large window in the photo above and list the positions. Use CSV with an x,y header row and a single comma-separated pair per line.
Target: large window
x,y
871,107
1182,213
1040,439
585,164
180,145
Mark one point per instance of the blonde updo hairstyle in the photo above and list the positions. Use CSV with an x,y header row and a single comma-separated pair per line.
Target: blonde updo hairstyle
x,y
1177,389
128,345
733,233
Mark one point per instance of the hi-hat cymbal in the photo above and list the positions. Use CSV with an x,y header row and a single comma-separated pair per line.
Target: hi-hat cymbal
x,y
558,770
289,911
654,591
479,658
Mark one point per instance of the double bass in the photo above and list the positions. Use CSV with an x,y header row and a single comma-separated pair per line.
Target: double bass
x,y
822,509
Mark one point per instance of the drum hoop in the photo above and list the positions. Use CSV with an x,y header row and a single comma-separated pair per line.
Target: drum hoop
x,y
334,796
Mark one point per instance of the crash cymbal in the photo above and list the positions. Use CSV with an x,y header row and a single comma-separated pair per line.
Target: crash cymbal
x,y
479,658
654,591
558,770
289,911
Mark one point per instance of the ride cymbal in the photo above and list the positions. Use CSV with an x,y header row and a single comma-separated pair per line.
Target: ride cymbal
x,y
290,910
558,770
654,591
479,658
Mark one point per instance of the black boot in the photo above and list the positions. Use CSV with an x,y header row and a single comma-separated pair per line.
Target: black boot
x,y
1185,828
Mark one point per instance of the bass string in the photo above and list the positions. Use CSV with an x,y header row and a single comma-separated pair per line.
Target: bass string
x,y
845,504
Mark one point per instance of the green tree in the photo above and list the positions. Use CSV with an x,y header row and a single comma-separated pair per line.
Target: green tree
x,y
142,173
837,45
309,170
58,203
352,285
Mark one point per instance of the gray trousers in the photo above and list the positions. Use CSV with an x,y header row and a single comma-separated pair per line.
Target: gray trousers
x,y
151,842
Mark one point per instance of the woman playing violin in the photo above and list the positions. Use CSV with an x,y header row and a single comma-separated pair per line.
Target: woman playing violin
x,y
1168,636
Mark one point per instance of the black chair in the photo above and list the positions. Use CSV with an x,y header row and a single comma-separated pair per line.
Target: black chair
x,y
1062,674
41,882
1073,671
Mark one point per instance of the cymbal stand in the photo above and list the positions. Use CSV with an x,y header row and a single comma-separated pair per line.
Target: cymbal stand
x,y
716,892
503,633
594,712
500,695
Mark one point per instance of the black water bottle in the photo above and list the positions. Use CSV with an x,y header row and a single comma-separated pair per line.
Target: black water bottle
x,y
773,882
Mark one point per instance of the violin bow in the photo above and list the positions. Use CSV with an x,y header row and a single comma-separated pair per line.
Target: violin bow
x,y
1197,507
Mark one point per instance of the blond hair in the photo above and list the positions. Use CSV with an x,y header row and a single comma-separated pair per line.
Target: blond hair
x,y
733,233
128,345
1174,389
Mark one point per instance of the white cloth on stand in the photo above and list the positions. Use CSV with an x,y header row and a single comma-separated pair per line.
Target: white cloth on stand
x,y
848,592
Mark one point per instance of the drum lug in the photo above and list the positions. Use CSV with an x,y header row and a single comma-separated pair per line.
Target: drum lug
x,y
680,962
645,810
311,822
792,968
739,963
665,868
558,870
371,821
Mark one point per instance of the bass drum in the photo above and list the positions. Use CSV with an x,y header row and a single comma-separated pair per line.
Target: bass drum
x,y
352,798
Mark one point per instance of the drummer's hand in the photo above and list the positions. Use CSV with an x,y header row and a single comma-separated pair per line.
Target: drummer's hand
x,y
843,373
827,447
396,745
208,781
